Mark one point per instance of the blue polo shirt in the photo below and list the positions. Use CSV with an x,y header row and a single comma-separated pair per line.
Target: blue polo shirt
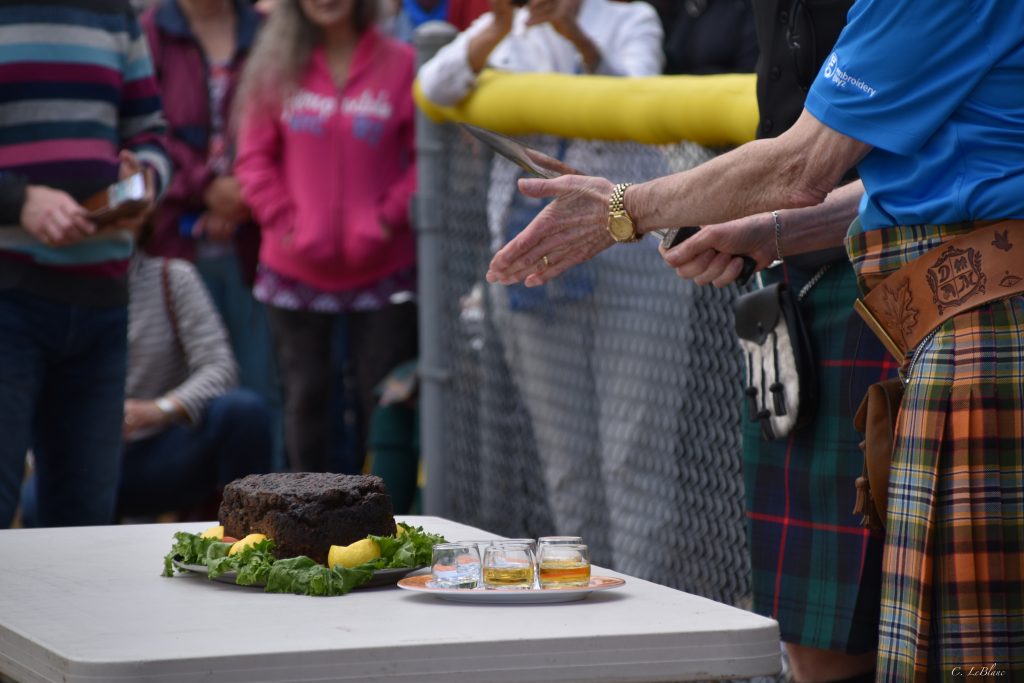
x,y
937,88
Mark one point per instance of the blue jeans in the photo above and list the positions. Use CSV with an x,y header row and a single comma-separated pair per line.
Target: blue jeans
x,y
182,466
62,375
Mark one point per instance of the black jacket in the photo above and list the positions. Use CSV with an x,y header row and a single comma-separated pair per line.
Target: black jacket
x,y
796,36
709,36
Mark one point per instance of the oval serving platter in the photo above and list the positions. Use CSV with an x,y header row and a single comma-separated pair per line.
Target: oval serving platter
x,y
534,596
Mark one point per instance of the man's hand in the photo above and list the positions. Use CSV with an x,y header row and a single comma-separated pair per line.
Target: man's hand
x,y
53,217
570,230
140,415
712,255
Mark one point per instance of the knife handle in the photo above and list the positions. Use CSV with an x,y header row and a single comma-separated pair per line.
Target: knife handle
x,y
679,235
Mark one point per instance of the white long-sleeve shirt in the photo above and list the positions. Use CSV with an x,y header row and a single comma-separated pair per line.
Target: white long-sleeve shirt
x,y
627,34
629,38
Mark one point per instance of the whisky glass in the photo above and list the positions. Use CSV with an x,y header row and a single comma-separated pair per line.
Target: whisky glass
x,y
455,565
563,565
509,566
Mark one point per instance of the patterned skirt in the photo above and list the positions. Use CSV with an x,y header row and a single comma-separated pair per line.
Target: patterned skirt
x,y
816,570
953,567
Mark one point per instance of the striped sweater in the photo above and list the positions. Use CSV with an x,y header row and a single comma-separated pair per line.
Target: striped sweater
x,y
188,357
76,87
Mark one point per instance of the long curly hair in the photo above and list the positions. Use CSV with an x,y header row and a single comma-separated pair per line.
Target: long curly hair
x,y
282,51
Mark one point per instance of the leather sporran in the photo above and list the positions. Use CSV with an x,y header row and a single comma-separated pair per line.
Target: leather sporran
x,y
781,386
876,419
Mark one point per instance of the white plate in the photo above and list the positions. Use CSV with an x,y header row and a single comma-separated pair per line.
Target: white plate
x,y
533,596
381,577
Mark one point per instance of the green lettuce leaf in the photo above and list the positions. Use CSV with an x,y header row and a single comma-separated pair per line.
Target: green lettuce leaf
x,y
251,563
412,549
189,549
303,576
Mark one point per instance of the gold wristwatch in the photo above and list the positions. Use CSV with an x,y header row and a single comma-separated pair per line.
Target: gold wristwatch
x,y
620,225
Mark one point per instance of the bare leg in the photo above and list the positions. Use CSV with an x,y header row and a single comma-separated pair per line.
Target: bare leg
x,y
813,665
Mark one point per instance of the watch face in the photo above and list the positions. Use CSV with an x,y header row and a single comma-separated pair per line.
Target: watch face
x,y
621,227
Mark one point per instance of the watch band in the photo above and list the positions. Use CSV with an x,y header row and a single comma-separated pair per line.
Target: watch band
x,y
617,202
617,208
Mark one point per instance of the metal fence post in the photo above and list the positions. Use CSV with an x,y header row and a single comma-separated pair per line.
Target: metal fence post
x,y
427,218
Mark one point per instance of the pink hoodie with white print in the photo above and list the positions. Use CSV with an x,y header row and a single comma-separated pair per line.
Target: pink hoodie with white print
x,y
330,174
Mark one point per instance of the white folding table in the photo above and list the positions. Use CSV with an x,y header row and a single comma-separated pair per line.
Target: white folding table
x,y
88,605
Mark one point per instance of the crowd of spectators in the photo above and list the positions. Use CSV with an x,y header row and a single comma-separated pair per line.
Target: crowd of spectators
x,y
298,299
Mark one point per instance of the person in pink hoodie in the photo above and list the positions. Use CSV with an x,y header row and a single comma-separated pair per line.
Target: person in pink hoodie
x,y
326,163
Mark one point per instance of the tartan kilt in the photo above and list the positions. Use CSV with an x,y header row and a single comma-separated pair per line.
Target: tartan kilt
x,y
816,570
953,568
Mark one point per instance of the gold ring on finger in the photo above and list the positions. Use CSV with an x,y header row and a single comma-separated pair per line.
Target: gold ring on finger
x,y
546,260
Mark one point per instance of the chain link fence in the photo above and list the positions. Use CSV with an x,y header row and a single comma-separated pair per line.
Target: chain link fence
x,y
604,405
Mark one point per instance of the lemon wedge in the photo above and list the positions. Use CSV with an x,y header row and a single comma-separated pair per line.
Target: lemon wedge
x,y
213,532
354,554
251,539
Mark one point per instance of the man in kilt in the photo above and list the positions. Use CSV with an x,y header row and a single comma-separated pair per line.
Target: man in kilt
x,y
925,99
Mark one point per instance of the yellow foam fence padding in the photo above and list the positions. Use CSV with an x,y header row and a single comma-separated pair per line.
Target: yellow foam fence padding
x,y
714,111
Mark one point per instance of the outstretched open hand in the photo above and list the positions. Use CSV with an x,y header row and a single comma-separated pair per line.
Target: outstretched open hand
x,y
570,230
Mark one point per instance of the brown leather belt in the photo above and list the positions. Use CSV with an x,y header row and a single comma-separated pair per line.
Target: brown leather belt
x,y
963,273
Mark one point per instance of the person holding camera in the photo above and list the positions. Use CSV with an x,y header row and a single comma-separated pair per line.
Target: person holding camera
x,y
80,111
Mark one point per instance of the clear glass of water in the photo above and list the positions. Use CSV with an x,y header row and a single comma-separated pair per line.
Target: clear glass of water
x,y
455,565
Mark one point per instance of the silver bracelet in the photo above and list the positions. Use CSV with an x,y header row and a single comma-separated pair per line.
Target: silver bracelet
x,y
778,239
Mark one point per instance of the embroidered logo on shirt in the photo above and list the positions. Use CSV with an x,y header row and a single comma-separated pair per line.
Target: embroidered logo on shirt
x,y
366,103
841,78
370,112
307,111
